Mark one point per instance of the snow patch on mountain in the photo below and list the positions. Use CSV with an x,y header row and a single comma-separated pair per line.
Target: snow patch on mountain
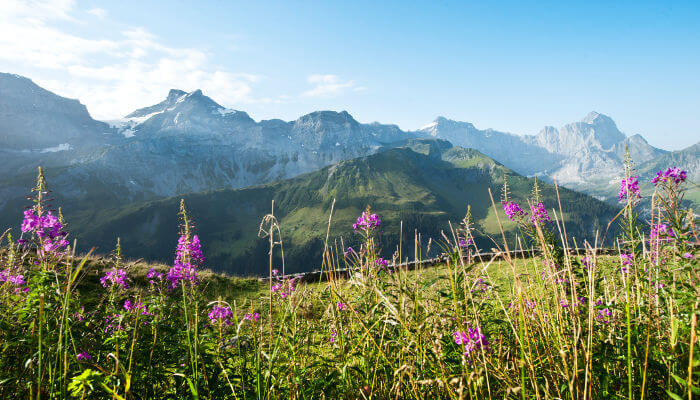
x,y
55,149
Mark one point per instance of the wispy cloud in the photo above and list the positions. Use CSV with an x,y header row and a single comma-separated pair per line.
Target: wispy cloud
x,y
329,85
98,12
112,75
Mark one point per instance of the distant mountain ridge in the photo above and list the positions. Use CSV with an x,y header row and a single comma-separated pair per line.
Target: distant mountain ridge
x,y
423,183
189,143
573,154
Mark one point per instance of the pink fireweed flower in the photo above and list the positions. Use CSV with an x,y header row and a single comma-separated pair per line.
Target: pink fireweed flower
x,y
348,252
252,317
48,228
604,315
627,259
539,213
220,314
513,210
472,340
83,356
136,307
154,276
367,222
115,278
464,243
381,263
661,231
188,257
673,174
7,277
629,188
113,323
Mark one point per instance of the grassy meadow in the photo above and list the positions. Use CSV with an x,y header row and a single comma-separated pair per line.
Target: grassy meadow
x,y
564,324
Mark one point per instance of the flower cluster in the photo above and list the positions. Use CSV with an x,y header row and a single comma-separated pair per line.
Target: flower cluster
x,y
604,315
367,222
673,174
115,278
381,263
252,317
539,213
47,228
7,276
627,261
220,314
84,356
187,257
154,275
629,188
284,288
472,340
113,323
465,243
513,210
661,230
136,307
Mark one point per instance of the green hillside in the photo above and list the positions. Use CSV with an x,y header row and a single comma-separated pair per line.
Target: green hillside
x,y
424,183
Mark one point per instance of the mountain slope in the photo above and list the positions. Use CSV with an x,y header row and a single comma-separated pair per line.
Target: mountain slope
x,y
580,155
38,126
424,183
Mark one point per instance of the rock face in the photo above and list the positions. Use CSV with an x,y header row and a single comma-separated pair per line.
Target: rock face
x,y
36,124
576,155
190,143
186,143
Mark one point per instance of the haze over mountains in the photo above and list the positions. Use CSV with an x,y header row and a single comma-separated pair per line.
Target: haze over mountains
x,y
189,143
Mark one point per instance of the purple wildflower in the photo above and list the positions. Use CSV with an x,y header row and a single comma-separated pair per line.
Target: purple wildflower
x,y
604,315
17,280
187,257
136,307
113,322
220,314
464,243
513,210
252,317
115,278
687,255
539,213
661,230
673,174
47,228
629,188
348,252
342,306
627,259
473,340
381,263
367,222
83,356
154,276
334,334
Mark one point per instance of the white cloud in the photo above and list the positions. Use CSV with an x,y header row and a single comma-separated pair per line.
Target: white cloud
x,y
111,75
98,12
329,85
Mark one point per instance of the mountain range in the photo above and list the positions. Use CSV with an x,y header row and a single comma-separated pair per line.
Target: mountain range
x,y
188,143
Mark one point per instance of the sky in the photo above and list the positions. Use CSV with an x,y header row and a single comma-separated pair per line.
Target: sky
x,y
514,66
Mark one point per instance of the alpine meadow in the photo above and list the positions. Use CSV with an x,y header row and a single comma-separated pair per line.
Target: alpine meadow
x,y
158,242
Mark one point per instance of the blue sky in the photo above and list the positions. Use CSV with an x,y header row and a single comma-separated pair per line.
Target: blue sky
x,y
512,66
